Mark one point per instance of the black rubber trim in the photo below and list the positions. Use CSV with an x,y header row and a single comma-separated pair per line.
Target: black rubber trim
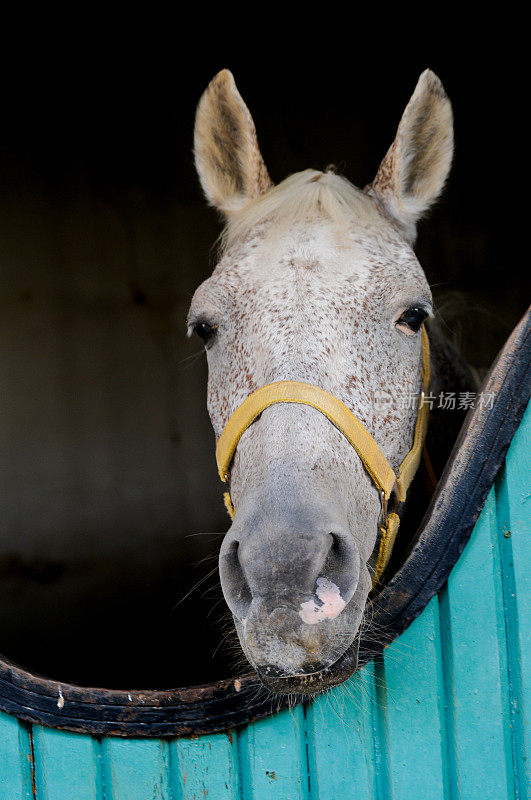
x,y
472,467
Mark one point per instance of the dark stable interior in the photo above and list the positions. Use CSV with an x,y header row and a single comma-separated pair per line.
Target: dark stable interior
x,y
110,504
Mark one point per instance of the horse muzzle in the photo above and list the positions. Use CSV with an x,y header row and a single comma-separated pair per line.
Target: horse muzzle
x,y
297,598
291,655
319,680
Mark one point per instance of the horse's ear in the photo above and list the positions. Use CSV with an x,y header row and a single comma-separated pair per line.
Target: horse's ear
x,y
227,156
413,172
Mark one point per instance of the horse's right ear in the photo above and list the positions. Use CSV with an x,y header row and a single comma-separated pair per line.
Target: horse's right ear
x,y
227,156
413,172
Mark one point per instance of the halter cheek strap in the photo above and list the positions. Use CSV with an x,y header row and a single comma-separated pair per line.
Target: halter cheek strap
x,y
374,461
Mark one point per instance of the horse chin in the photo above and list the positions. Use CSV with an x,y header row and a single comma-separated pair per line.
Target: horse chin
x,y
314,681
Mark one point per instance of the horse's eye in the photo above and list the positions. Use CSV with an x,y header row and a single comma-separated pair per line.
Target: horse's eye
x,y
204,330
412,319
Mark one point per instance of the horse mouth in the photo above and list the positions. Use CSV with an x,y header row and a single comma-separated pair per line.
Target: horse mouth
x,y
312,681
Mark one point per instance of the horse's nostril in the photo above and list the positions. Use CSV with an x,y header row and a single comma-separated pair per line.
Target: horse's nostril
x,y
233,580
336,546
342,564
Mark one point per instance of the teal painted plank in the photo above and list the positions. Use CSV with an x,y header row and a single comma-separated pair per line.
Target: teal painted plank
x,y
273,760
513,536
66,765
340,740
136,769
15,760
207,767
476,667
382,766
413,695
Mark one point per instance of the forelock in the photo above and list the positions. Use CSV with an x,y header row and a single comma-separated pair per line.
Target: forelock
x,y
303,197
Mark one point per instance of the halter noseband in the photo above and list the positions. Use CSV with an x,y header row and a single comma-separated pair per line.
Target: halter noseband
x,y
355,433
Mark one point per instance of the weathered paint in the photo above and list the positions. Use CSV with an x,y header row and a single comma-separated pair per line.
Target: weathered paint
x,y
441,715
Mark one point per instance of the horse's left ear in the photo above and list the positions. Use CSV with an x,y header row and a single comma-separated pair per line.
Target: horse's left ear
x,y
413,172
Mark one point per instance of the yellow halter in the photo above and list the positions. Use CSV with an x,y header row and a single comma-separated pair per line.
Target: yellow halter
x,y
352,429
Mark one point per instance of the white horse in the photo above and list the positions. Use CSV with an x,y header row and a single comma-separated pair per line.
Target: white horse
x,y
317,283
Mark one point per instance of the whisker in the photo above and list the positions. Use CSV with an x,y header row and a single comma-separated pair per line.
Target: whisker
x,y
195,586
189,360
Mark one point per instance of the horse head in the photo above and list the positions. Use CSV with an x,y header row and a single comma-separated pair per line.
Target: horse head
x,y
317,283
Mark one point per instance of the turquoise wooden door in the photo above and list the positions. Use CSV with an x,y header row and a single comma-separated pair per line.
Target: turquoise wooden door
x,y
441,715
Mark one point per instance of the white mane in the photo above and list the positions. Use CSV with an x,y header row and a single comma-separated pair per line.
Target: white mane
x,y
302,197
